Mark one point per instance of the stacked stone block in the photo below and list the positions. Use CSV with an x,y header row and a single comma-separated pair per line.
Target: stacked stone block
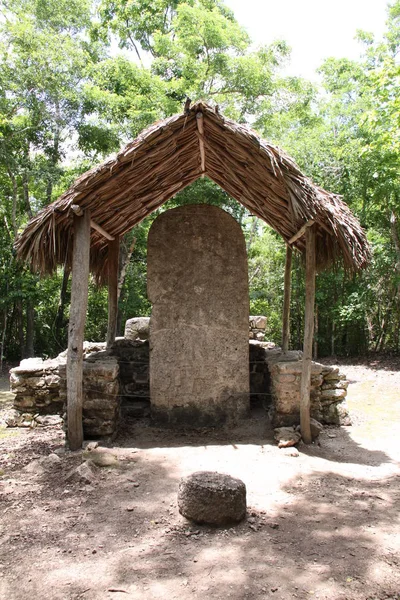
x,y
35,383
257,325
121,374
328,391
133,360
101,398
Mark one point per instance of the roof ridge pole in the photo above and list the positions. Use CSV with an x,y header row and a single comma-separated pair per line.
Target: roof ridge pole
x,y
113,264
200,128
308,337
76,328
286,300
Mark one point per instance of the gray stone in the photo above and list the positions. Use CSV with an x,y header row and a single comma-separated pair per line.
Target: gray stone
x,y
84,473
212,498
51,462
316,428
49,420
290,451
35,467
258,322
137,328
286,436
12,417
335,385
102,458
199,349
332,395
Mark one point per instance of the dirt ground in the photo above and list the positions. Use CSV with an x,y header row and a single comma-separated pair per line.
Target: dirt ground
x,y
321,525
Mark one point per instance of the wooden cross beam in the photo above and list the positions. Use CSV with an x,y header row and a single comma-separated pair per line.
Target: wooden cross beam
x,y
200,128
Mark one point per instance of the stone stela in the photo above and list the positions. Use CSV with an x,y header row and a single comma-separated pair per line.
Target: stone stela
x,y
199,328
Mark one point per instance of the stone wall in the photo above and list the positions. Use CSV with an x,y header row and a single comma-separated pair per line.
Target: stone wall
x,y
133,360
40,389
36,385
118,379
328,390
101,398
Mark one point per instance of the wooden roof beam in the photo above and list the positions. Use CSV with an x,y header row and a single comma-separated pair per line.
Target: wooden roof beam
x,y
301,232
77,210
200,128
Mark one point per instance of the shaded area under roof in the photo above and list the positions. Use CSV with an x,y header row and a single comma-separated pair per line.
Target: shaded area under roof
x,y
172,154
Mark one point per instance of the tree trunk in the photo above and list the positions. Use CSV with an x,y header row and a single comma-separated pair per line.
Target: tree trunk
x,y
316,333
286,300
308,337
14,201
113,263
60,321
124,262
77,319
30,330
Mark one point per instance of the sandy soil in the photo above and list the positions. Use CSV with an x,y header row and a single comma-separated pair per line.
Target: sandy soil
x,y
321,525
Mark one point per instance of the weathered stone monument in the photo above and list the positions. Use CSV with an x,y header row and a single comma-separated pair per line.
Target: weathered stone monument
x,y
199,328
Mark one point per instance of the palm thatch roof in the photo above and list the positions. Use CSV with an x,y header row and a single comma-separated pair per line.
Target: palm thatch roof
x,y
172,154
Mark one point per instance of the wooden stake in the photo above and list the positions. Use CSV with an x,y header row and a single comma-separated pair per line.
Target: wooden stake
x,y
76,329
286,300
308,337
113,263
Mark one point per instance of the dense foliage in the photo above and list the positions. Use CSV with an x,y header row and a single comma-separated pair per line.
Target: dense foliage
x,y
69,97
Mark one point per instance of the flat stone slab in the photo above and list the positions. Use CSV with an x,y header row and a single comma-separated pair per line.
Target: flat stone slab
x,y
212,498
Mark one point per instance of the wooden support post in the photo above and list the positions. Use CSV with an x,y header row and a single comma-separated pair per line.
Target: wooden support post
x,y
308,337
286,300
113,263
76,329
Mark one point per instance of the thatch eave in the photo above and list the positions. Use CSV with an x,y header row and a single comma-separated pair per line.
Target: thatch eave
x,y
164,159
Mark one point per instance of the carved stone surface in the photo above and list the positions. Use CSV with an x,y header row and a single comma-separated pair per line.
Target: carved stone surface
x,y
212,498
197,283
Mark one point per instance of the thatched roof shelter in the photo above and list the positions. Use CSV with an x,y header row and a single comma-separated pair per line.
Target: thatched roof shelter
x,y
172,154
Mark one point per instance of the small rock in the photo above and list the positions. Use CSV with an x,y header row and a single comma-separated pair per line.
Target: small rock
x,y
286,436
48,420
291,451
35,467
12,418
89,446
60,451
102,459
316,428
50,462
84,473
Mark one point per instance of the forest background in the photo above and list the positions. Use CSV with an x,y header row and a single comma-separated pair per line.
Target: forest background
x,y
68,100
